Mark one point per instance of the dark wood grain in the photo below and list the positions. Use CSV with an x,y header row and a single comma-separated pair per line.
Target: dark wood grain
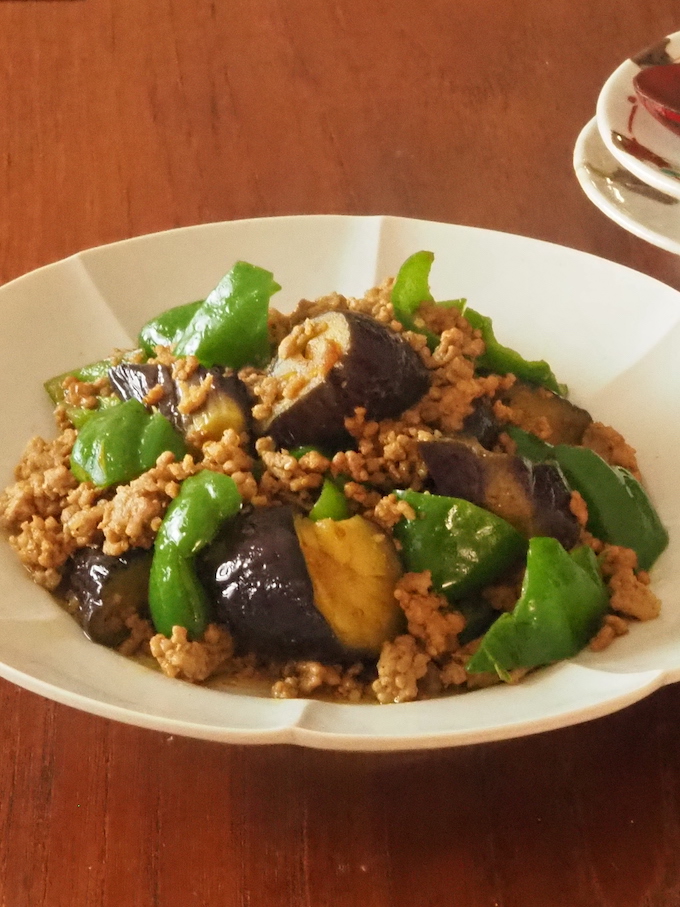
x,y
120,117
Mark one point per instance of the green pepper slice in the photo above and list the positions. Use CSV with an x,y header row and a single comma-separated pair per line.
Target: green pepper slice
x,y
176,596
561,606
619,509
230,327
120,443
79,415
87,373
463,546
168,327
504,361
411,288
331,503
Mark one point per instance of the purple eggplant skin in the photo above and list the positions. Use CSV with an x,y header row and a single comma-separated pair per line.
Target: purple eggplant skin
x,y
257,578
566,421
354,361
534,498
132,380
482,424
108,590
551,496
137,380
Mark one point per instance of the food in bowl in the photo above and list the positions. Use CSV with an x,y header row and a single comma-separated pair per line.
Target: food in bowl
x,y
365,499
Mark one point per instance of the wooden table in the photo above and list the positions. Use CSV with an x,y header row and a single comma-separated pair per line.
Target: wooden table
x,y
120,117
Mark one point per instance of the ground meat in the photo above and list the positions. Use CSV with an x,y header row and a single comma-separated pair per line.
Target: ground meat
x,y
131,519
454,384
43,482
630,592
364,497
141,633
453,674
266,389
535,425
579,508
31,509
287,478
154,396
229,455
612,627
389,510
184,367
192,397
427,613
43,549
302,678
387,454
611,446
84,394
192,661
401,665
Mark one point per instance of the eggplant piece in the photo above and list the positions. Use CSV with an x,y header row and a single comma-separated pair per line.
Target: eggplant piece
x,y
566,422
226,404
345,360
274,579
131,380
108,590
534,498
354,568
482,424
258,579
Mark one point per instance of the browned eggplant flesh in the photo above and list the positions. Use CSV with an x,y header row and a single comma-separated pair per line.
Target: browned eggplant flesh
x,y
560,420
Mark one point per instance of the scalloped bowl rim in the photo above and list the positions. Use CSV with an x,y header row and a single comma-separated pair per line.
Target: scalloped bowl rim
x,y
549,301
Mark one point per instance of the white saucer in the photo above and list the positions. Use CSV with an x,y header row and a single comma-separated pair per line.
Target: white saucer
x,y
640,143
632,204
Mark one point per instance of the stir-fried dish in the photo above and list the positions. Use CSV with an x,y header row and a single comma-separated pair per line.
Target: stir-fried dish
x,y
367,499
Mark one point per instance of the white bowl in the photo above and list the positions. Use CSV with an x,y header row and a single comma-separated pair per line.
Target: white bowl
x,y
611,333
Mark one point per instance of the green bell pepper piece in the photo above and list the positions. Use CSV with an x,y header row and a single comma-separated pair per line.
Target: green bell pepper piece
x,y
561,606
463,546
118,444
168,327
619,509
230,327
88,373
331,503
411,288
78,415
479,615
176,596
503,361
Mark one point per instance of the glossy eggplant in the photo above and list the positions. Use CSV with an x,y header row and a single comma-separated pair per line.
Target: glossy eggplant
x,y
226,404
565,421
344,360
108,590
534,498
482,424
289,588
